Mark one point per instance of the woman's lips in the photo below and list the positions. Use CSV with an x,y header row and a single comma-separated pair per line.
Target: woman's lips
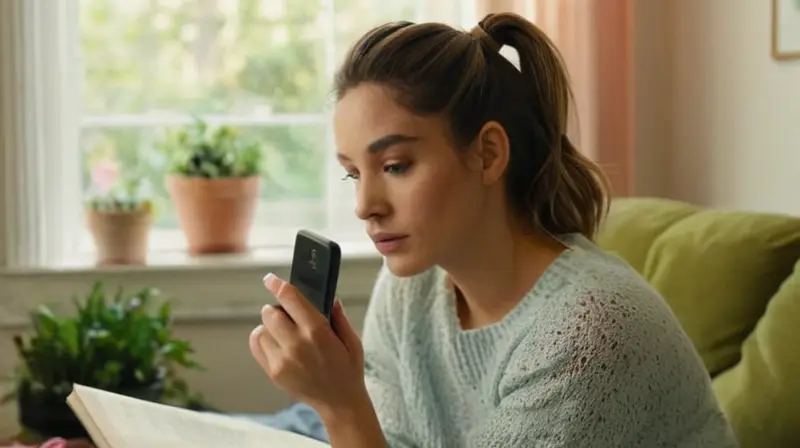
x,y
391,244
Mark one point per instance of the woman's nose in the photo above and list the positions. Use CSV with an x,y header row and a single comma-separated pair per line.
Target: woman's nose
x,y
370,200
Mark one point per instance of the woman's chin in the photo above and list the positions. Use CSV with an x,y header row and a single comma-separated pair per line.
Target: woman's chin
x,y
406,265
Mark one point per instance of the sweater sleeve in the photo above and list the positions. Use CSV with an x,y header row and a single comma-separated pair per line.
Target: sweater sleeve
x,y
382,359
595,379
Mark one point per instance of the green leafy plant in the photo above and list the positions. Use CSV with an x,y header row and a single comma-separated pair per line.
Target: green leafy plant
x,y
125,195
112,343
197,150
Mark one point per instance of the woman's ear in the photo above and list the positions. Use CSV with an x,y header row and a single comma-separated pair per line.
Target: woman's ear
x,y
493,149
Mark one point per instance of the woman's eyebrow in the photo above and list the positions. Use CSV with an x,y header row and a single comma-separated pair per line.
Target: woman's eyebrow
x,y
383,143
388,141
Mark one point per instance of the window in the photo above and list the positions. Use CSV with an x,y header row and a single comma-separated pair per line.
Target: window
x,y
262,65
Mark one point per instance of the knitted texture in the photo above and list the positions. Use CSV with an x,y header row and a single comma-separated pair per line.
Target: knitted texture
x,y
591,357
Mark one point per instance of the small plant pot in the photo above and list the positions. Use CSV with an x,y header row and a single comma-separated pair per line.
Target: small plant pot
x,y
216,215
120,237
47,414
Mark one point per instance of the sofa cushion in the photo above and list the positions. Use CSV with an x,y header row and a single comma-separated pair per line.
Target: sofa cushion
x,y
634,223
761,394
716,269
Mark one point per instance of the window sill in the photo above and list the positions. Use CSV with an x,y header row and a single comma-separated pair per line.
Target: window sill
x,y
217,287
265,258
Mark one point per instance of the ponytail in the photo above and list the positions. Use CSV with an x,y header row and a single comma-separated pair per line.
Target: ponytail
x,y
569,196
569,192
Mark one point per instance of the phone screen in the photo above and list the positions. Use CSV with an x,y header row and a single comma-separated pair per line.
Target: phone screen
x,y
315,269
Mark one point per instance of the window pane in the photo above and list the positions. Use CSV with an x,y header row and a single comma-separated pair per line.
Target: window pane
x,y
355,17
203,56
293,187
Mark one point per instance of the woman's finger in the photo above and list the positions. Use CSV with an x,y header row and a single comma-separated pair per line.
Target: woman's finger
x,y
278,324
297,306
261,343
347,334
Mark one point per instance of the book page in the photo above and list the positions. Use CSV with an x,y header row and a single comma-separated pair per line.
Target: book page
x,y
127,422
88,422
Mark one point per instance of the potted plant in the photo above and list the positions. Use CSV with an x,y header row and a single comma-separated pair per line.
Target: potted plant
x,y
119,215
111,343
213,178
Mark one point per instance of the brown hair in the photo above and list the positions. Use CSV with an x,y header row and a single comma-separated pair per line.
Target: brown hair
x,y
435,69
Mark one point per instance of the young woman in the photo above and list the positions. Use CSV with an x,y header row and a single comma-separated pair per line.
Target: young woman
x,y
496,321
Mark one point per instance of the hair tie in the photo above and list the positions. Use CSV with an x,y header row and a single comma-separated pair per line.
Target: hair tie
x,y
479,33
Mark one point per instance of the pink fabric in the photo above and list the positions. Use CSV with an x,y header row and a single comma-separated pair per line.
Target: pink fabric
x,y
57,442
594,36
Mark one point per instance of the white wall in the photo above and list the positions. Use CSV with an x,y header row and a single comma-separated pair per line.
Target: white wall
x,y
718,120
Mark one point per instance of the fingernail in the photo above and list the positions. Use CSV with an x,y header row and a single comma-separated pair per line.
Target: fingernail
x,y
273,283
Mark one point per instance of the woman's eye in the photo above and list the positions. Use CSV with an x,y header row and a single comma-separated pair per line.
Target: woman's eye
x,y
396,168
350,176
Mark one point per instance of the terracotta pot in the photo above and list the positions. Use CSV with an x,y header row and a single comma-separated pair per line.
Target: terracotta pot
x,y
120,237
215,214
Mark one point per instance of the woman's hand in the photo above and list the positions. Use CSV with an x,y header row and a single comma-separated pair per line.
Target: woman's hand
x,y
300,352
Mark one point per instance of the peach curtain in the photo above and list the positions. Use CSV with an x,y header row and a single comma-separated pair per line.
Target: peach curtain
x,y
594,38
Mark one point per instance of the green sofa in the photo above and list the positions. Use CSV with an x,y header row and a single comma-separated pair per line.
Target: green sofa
x,y
733,280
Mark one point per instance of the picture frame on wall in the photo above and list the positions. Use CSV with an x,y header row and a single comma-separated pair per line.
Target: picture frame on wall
x,y
786,29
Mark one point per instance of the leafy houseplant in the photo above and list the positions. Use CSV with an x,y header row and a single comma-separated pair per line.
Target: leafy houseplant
x,y
213,178
119,216
115,344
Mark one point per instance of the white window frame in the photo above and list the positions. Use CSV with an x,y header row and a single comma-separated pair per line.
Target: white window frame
x,y
40,193
40,201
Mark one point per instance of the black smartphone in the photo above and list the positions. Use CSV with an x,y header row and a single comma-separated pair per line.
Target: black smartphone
x,y
315,269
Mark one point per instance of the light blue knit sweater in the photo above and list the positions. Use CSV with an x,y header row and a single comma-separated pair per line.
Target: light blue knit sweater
x,y
592,357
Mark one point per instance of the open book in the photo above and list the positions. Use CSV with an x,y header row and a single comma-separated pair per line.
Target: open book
x,y
118,421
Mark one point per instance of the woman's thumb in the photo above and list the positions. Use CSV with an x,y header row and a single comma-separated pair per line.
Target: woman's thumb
x,y
345,331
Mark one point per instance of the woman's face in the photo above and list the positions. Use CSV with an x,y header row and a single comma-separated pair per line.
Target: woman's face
x,y
421,199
